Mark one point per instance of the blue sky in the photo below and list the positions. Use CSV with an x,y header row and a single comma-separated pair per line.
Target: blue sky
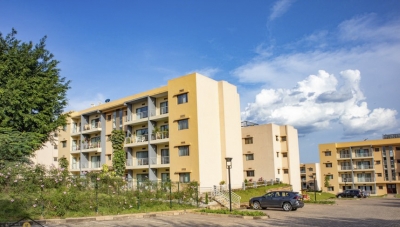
x,y
329,68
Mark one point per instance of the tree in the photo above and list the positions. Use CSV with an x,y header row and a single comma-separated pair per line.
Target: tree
x,y
32,95
327,179
117,139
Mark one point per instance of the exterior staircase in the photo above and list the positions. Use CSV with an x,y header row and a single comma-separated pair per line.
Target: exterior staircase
x,y
222,197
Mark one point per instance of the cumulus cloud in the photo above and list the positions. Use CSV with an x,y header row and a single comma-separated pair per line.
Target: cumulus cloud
x,y
317,101
279,8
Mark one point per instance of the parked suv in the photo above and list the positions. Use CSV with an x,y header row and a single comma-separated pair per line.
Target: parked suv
x,y
350,193
286,200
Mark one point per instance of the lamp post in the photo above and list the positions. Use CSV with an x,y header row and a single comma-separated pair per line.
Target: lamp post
x,y
229,167
315,192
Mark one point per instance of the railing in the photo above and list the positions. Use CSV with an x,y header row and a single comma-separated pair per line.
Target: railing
x,y
365,154
129,162
153,161
345,155
303,180
95,164
164,159
365,180
85,165
75,166
136,139
345,167
142,161
141,115
164,110
160,135
302,171
75,148
91,145
365,166
222,196
90,126
347,179
76,130
393,177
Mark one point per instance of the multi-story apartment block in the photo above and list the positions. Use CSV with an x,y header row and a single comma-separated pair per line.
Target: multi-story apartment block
x,y
47,155
271,152
370,165
310,175
182,131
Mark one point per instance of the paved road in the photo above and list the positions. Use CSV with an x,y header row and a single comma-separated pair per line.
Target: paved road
x,y
363,212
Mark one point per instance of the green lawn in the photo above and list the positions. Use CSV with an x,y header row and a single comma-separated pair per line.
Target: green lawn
x,y
320,196
247,194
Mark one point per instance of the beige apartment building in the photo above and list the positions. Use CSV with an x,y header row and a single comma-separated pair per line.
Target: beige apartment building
x,y
310,175
271,152
370,165
181,131
47,155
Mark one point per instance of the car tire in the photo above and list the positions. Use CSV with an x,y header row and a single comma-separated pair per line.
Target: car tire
x,y
264,208
294,209
256,205
287,206
355,197
339,196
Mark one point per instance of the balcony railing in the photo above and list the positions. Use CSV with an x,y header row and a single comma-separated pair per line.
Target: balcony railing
x,y
345,167
160,135
76,130
75,166
164,110
91,145
95,164
92,126
136,139
165,160
365,179
345,155
142,161
302,171
348,179
364,167
303,179
365,154
141,115
129,162
75,148
85,165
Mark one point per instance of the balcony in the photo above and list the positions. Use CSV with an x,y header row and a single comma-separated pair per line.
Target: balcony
x,y
303,180
164,110
75,149
302,171
75,166
345,167
345,156
75,131
92,128
136,118
367,179
363,155
165,160
160,137
161,115
361,167
349,179
136,140
90,147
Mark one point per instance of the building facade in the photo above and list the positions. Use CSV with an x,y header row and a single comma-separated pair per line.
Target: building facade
x,y
271,152
371,165
310,175
47,155
182,131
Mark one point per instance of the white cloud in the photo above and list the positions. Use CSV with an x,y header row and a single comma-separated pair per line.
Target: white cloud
x,y
210,72
319,100
78,104
280,7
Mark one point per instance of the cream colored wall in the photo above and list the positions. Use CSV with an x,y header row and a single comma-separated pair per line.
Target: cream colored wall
x,y
293,154
46,155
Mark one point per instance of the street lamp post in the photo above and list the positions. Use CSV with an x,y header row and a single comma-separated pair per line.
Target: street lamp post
x,y
315,192
229,167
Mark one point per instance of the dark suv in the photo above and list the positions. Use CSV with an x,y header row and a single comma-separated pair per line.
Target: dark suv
x,y
350,193
286,200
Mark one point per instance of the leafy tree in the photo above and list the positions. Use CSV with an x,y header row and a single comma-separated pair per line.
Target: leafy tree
x,y
117,139
326,183
32,96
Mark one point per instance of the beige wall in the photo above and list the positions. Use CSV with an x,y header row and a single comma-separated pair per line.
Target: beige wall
x,y
47,156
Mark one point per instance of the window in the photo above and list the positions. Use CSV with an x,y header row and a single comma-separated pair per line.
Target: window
x,y
249,157
55,147
109,117
284,155
328,153
277,154
310,169
397,148
164,107
183,150
183,124
64,128
379,174
311,184
183,98
55,159
248,140
184,177
378,162
381,187
250,173
64,143
328,165
285,171
331,189
377,149
279,171
277,138
55,135
329,177
398,160
109,157
283,138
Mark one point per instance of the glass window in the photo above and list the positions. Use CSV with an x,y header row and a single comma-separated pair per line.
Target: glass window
x,y
285,171
283,138
183,98
249,157
164,177
330,189
328,153
141,112
164,107
328,165
64,128
183,150
183,124
184,177
284,155
64,143
248,140
250,173
55,159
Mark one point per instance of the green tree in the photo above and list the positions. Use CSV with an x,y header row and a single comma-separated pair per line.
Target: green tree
x,y
32,96
327,179
117,139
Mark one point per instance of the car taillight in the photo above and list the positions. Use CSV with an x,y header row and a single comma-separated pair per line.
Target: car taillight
x,y
297,197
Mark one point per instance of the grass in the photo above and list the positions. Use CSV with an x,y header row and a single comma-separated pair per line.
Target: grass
x,y
321,196
234,212
397,196
247,194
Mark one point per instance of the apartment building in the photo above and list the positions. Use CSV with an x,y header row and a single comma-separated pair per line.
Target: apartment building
x,y
271,152
47,155
370,165
310,175
182,131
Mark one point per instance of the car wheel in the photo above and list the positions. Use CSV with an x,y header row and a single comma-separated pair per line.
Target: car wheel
x,y
287,207
264,208
256,205
355,197
294,209
339,196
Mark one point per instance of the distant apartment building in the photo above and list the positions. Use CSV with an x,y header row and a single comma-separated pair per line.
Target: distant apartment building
x,y
370,165
310,175
47,155
271,152
182,131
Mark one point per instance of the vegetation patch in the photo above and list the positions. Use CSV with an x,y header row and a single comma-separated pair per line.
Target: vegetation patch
x,y
320,202
234,212
249,193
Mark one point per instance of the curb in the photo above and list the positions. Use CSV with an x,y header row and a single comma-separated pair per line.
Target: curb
x,y
233,216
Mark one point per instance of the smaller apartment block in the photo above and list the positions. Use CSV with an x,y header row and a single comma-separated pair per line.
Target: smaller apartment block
x,y
310,175
371,165
271,152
